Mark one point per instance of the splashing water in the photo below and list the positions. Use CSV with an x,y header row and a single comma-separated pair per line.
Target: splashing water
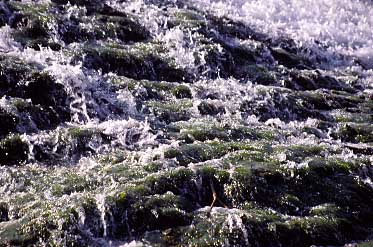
x,y
119,120
342,26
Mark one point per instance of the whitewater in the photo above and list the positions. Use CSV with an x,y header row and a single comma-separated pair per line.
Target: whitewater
x,y
186,123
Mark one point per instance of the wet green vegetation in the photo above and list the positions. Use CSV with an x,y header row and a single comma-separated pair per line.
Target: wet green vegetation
x,y
196,132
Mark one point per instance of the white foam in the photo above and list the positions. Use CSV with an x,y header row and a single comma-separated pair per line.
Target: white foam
x,y
343,25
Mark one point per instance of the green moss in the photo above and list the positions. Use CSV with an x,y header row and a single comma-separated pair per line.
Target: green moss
x,y
311,230
35,25
348,117
247,157
113,157
34,9
173,181
48,224
188,18
77,132
298,153
123,82
208,173
177,107
138,61
242,174
70,183
157,86
356,133
365,244
153,167
325,210
11,233
209,131
193,153
260,75
134,191
21,104
124,172
181,91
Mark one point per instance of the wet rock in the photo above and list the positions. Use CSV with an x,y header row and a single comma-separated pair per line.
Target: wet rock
x,y
289,59
159,212
312,80
8,123
4,212
13,73
207,108
181,92
290,105
13,151
77,2
138,62
187,18
230,28
34,24
5,13
123,27
194,153
229,60
49,101
73,143
207,131
272,173
260,75
286,108
43,118
171,111
355,133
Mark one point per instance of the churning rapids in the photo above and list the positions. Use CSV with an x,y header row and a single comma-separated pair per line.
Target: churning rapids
x,y
186,123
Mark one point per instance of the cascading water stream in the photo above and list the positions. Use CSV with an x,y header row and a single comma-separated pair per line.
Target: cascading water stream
x,y
186,122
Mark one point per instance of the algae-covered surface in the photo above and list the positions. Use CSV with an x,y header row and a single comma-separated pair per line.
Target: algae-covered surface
x,y
186,123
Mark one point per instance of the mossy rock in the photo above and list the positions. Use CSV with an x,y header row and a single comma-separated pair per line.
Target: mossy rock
x,y
8,123
137,62
103,27
298,153
22,80
171,111
181,92
33,23
287,108
160,212
261,75
71,183
11,234
356,133
5,14
41,117
312,80
187,18
194,153
13,74
4,212
13,150
209,108
205,130
289,58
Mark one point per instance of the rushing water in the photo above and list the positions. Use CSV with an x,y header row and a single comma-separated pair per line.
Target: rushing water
x,y
121,119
